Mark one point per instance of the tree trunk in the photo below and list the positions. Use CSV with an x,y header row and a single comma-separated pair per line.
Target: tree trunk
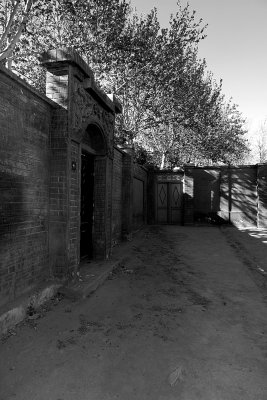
x,y
163,157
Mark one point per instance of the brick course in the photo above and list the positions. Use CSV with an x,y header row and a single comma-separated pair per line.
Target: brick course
x,y
117,196
139,196
24,179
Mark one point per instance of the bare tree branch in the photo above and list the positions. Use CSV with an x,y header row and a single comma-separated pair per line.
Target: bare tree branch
x,y
7,28
8,50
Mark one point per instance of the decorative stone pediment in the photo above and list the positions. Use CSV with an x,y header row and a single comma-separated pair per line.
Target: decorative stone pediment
x,y
71,84
85,110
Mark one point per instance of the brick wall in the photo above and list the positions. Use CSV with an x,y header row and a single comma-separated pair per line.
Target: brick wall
x,y
151,197
109,190
117,196
139,196
99,234
25,119
40,173
129,195
127,192
58,193
74,206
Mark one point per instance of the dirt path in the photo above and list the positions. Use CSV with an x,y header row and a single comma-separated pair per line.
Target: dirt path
x,y
180,319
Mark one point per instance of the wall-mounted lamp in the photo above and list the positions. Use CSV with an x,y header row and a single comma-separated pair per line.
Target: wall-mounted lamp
x,y
73,165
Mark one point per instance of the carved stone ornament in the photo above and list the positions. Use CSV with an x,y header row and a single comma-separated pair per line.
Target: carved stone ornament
x,y
86,108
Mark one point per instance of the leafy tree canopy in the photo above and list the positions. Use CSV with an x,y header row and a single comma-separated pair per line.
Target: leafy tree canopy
x,y
173,109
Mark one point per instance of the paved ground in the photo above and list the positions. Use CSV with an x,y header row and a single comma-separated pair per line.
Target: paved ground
x,y
183,317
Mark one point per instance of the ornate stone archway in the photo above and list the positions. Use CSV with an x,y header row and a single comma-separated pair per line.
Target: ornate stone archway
x,y
83,122
88,111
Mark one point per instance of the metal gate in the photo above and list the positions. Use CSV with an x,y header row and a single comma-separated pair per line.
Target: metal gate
x,y
169,202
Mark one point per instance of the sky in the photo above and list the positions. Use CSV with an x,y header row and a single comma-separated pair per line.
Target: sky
x,y
235,47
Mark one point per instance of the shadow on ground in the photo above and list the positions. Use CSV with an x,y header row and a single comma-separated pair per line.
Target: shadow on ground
x,y
251,246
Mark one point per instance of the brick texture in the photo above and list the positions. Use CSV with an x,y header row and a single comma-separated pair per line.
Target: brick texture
x,y
127,193
117,196
139,196
25,119
40,176
74,206
58,194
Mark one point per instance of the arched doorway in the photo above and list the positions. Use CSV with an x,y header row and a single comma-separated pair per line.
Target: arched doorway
x,y
93,149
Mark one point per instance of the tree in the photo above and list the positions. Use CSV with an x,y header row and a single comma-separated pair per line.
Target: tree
x,y
13,19
172,107
90,27
258,144
261,142
151,92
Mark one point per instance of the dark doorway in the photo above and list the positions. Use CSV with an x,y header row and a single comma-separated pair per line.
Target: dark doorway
x,y
87,205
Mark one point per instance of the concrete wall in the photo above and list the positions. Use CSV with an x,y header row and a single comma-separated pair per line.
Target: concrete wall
x,y
206,198
239,196
262,195
25,120
234,195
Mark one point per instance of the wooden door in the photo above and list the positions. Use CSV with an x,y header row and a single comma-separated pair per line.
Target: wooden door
x,y
169,203
175,203
162,203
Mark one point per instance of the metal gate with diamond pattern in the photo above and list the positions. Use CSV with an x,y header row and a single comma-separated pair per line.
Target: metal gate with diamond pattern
x,y
169,202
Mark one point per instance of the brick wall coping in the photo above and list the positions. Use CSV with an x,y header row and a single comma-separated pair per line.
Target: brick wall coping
x,y
27,86
167,171
222,166
119,149
55,57
141,166
122,151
